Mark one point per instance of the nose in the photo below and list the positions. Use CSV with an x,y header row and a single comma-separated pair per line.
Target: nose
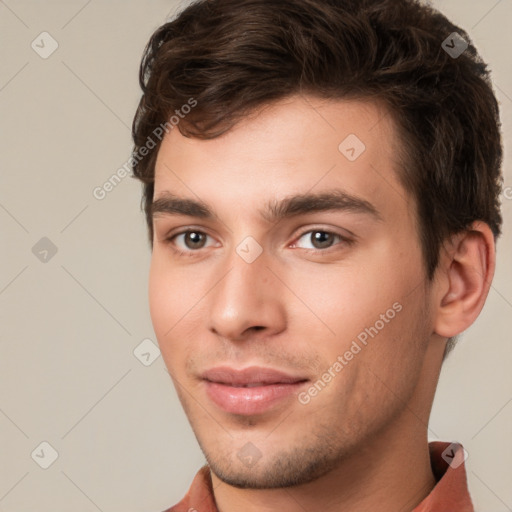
x,y
248,299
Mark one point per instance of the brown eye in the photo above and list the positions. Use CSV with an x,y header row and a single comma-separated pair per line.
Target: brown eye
x,y
194,239
321,239
318,239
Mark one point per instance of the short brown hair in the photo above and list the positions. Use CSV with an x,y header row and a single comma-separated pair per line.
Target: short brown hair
x,y
233,56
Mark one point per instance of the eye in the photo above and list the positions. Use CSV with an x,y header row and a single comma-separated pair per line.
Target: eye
x,y
189,241
321,239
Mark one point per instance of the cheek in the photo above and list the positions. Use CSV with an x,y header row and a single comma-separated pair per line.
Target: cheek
x,y
165,301
350,299
377,303
174,306
159,299
395,343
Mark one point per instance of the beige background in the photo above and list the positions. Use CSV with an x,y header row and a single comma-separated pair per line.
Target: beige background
x,y
69,326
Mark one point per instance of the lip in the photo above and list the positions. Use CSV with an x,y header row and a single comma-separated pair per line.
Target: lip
x,y
249,391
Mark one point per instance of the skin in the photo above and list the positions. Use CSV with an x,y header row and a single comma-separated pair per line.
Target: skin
x,y
360,443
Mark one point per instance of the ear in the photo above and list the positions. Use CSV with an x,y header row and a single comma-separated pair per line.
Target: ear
x,y
466,270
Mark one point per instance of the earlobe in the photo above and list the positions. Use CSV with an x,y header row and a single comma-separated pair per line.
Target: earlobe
x,y
468,268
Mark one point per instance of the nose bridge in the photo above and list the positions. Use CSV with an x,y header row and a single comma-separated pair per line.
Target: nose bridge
x,y
246,278
246,296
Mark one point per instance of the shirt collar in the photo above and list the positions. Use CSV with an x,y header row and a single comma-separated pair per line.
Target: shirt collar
x,y
451,492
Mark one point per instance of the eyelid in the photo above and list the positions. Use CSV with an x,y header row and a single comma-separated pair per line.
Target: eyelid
x,y
183,230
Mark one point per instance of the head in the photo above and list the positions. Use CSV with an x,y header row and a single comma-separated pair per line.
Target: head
x,y
256,117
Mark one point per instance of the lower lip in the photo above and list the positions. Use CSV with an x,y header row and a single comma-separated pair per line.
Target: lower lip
x,y
256,400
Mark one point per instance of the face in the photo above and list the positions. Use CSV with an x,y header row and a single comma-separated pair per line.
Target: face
x,y
287,288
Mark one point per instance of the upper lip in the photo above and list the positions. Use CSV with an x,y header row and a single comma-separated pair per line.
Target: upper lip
x,y
247,376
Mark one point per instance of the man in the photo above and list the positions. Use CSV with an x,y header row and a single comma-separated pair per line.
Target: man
x,y
321,183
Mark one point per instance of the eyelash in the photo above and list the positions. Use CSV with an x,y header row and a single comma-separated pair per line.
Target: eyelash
x,y
191,253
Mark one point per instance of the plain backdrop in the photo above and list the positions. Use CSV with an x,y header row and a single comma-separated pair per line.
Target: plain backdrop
x,y
74,269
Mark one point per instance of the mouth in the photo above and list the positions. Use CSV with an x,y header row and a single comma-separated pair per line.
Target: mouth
x,y
249,391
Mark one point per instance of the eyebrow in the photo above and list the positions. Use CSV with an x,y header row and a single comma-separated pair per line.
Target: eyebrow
x,y
292,206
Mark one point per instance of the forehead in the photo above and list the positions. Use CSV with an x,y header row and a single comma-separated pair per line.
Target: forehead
x,y
294,146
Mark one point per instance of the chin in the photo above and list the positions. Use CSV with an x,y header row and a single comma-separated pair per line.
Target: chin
x,y
282,470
